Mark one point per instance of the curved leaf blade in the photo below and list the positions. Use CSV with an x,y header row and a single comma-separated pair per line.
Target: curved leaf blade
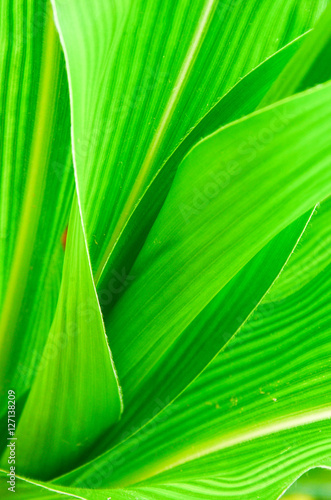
x,y
75,395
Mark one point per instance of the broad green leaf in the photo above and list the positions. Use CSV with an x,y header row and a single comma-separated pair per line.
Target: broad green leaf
x,y
133,69
26,489
251,423
314,485
94,401
36,186
232,391
37,192
208,332
75,394
306,172
120,278
241,100
231,307
213,225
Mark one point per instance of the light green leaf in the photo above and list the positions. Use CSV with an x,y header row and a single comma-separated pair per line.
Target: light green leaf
x,y
232,306
89,152
302,183
213,225
75,395
269,170
251,423
241,100
36,186
133,69
315,484
26,489
201,340
313,50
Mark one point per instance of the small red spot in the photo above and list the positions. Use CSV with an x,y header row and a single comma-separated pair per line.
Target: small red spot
x,y
64,238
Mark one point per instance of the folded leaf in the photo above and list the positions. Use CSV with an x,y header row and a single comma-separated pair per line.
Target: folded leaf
x,y
274,79
133,68
208,332
292,189
36,186
314,48
230,307
75,395
315,482
241,100
231,195
251,423
30,490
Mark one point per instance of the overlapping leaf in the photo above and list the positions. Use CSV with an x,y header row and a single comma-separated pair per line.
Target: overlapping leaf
x,y
232,220
303,266
101,123
38,176
241,100
36,186
134,68
75,395
255,420
315,484
207,225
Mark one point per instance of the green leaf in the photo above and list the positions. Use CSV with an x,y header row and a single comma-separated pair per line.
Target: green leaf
x,y
75,394
36,186
38,349
133,69
213,225
280,194
131,134
231,302
200,341
27,489
251,423
316,483
241,100
88,152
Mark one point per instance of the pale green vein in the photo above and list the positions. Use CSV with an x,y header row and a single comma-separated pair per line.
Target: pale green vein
x,y
38,162
224,442
206,17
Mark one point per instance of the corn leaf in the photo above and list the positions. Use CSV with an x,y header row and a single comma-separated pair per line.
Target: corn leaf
x,y
241,100
190,200
36,178
251,423
47,335
303,266
215,227
99,157
131,93
75,376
